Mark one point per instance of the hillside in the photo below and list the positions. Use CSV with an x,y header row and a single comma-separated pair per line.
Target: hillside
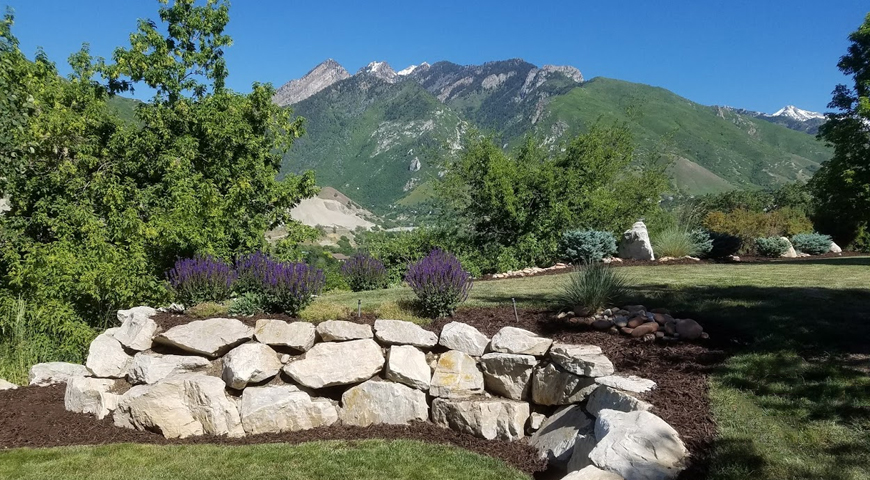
x,y
378,135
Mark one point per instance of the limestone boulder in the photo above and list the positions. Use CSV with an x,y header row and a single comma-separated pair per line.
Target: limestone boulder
x,y
6,385
508,375
552,385
628,383
399,332
284,408
586,360
464,338
456,375
791,252
52,373
835,248
607,398
278,333
557,435
250,363
379,402
489,418
520,342
337,363
637,445
212,337
90,395
341,330
536,420
635,244
408,365
591,472
150,367
137,328
107,357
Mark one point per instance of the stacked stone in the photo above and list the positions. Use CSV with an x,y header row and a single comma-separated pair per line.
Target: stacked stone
x,y
221,377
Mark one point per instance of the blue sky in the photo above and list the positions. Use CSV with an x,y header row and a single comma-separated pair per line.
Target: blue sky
x,y
759,55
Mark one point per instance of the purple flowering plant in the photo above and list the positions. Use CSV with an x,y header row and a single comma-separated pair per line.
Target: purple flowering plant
x,y
201,279
290,287
364,272
440,283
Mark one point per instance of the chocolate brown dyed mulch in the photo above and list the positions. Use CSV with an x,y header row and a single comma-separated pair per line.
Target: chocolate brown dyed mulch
x,y
35,417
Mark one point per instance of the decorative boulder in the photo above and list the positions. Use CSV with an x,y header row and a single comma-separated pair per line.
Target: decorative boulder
x,y
150,367
278,333
284,408
607,398
378,402
635,244
341,330
591,472
52,373
408,365
90,395
212,337
556,437
586,360
637,445
489,418
456,375
337,363
6,385
790,253
250,363
630,383
689,329
137,328
553,386
399,332
464,338
520,342
107,357
508,375
835,248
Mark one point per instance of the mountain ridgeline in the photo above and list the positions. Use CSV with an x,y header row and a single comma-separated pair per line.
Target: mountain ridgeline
x,y
380,136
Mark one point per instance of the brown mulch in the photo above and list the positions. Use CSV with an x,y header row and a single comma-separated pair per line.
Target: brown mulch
x,y
35,417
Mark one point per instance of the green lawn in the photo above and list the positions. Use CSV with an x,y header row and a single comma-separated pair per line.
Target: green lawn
x,y
792,400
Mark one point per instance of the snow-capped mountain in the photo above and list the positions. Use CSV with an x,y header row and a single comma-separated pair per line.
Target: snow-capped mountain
x,y
381,70
795,113
410,69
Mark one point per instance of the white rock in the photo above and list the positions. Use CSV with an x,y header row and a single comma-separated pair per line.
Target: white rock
x,y
520,342
463,337
296,335
607,398
107,357
399,332
635,244
456,375
137,328
591,472
790,253
340,330
212,337
150,367
536,420
408,365
51,373
90,395
507,374
553,386
284,408
587,360
337,363
637,445
489,418
122,416
6,385
630,383
835,248
555,439
378,402
249,363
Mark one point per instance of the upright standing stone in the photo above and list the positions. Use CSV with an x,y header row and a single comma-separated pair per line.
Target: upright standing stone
x,y
635,244
407,365
790,252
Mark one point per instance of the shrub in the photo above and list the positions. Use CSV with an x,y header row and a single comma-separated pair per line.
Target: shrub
x,y
440,283
592,287
250,270
703,242
364,272
673,242
724,245
207,310
586,246
812,243
248,303
749,225
290,287
201,279
771,246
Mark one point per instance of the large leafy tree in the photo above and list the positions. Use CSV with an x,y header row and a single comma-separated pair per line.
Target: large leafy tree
x,y
842,185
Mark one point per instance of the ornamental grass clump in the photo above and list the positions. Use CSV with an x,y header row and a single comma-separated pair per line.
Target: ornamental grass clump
x,y
592,287
440,283
290,287
364,272
201,279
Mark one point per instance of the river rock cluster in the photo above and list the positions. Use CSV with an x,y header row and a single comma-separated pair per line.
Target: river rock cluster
x,y
638,322
220,376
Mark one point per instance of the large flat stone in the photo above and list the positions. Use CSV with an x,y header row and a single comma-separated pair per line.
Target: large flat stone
x,y
408,365
337,363
489,418
284,408
508,375
137,328
278,333
52,373
553,386
464,338
150,367
341,330
629,383
607,398
637,445
399,332
556,437
591,472
212,337
518,341
456,375
586,360
107,357
250,363
378,402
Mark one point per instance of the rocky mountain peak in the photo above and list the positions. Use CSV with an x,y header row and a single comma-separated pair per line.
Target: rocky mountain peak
x,y
319,78
790,111
412,68
381,70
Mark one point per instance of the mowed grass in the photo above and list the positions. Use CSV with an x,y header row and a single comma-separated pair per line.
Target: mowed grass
x,y
333,460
